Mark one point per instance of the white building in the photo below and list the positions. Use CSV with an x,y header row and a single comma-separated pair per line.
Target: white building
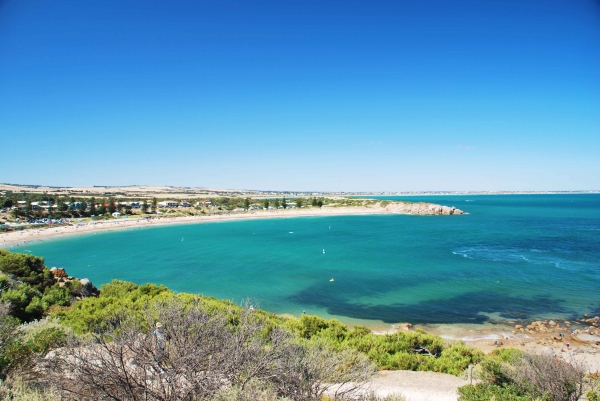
x,y
168,203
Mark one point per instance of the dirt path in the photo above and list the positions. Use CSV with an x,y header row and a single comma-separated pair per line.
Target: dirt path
x,y
416,386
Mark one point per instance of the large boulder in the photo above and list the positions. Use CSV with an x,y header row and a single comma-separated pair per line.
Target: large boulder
x,y
58,272
89,289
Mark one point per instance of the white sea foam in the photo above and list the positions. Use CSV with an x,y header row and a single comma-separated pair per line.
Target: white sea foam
x,y
529,256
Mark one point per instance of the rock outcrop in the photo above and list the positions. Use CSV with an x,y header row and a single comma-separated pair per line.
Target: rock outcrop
x,y
86,289
422,208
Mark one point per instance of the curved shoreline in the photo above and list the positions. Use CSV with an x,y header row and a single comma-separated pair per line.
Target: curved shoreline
x,y
478,336
23,237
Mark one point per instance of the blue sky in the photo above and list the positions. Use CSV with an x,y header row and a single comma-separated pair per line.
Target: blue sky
x,y
304,95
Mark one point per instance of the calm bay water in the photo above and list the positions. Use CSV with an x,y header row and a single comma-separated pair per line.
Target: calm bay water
x,y
511,257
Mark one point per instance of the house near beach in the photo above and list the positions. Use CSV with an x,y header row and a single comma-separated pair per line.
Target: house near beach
x,y
168,203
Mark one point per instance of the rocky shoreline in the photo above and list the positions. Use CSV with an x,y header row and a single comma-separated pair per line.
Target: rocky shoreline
x,y
422,209
584,330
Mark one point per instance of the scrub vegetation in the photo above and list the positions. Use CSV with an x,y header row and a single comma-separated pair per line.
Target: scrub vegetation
x,y
55,343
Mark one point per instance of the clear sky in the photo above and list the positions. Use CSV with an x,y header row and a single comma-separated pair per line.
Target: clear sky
x,y
302,95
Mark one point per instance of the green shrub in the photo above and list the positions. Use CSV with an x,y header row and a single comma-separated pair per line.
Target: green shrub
x,y
118,289
486,392
56,295
494,368
19,298
390,351
26,268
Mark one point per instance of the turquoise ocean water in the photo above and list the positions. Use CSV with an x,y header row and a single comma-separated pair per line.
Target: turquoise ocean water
x,y
512,257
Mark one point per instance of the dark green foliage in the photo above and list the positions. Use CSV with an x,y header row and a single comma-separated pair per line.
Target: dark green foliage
x,y
116,298
56,295
8,324
62,206
111,206
20,297
93,206
485,392
5,283
310,326
28,286
493,368
26,268
390,351
118,289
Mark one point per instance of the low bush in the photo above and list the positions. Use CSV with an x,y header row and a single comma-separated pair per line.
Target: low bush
x,y
511,374
16,389
487,392
390,351
204,348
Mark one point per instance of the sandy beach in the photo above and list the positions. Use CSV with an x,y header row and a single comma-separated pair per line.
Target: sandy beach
x,y
19,238
485,337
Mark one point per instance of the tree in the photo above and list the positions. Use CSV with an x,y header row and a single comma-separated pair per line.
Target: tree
x,y
28,208
154,204
284,203
298,202
247,203
111,206
320,203
15,212
276,203
314,202
8,203
102,208
145,207
72,204
93,206
266,203
62,206
82,207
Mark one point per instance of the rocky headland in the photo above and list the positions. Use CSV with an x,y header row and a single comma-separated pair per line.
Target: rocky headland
x,y
421,208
